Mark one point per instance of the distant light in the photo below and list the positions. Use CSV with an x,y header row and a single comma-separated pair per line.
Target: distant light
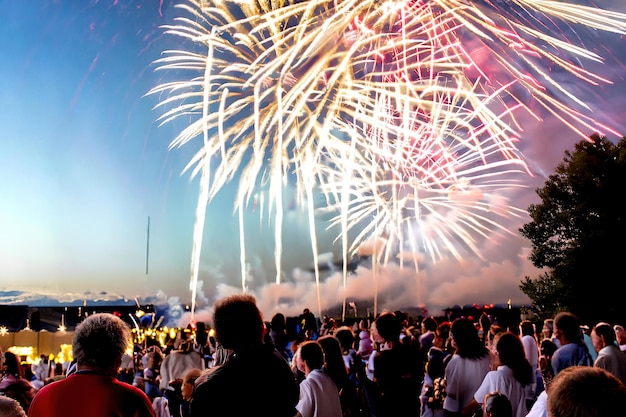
x,y
62,327
22,350
3,330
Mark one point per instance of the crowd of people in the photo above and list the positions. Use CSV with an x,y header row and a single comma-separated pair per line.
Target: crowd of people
x,y
390,366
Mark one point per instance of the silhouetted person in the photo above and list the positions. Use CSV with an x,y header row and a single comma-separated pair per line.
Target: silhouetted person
x,y
308,323
397,373
254,380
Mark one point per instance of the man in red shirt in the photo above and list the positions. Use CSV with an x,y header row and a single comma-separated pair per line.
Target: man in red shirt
x,y
93,390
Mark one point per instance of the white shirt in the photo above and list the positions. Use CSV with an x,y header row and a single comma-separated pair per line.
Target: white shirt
x,y
531,349
539,408
369,370
613,360
319,396
463,377
502,380
176,364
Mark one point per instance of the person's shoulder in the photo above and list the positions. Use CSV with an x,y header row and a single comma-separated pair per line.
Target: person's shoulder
x,y
504,371
319,373
453,359
429,334
387,354
268,358
453,364
565,350
6,381
223,377
316,377
212,375
18,383
194,353
494,374
603,358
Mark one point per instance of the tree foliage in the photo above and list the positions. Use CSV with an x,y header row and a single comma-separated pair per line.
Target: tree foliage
x,y
578,234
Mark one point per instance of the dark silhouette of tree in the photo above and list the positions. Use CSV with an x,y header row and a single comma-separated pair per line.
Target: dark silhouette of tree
x,y
578,234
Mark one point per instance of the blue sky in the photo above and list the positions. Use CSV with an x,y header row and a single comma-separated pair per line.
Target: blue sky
x,y
83,164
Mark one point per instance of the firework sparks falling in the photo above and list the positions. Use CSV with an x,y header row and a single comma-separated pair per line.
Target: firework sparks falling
x,y
404,114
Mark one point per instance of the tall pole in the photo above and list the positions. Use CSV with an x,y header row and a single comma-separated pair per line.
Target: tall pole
x,y
148,245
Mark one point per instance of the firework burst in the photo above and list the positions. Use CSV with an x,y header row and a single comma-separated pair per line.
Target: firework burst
x,y
404,114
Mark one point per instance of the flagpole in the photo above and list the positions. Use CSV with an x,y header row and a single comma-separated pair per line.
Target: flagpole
x,y
148,245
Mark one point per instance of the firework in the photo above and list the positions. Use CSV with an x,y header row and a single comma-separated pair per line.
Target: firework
x,y
404,114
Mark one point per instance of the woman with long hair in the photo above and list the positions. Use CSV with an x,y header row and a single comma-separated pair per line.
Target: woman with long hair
x,y
335,368
397,373
466,368
511,377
